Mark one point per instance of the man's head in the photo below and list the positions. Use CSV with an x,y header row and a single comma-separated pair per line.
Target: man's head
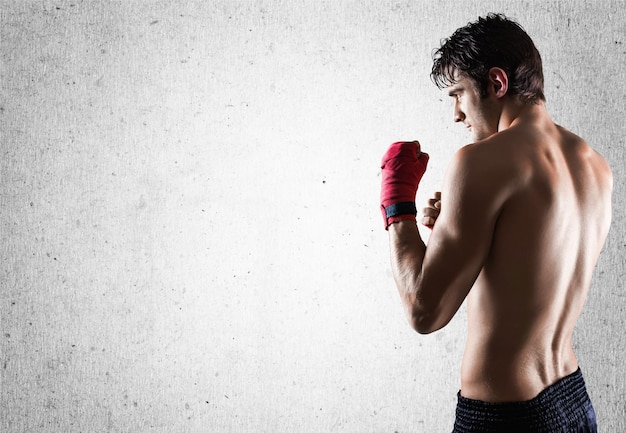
x,y
491,42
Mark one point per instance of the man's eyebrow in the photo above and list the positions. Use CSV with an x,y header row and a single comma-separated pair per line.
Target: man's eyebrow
x,y
453,90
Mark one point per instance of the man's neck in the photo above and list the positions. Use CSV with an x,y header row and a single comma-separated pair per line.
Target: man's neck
x,y
515,112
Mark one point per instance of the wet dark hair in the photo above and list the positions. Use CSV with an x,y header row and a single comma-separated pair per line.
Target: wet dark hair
x,y
492,41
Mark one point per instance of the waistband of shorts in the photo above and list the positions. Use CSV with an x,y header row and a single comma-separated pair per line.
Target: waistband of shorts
x,y
571,387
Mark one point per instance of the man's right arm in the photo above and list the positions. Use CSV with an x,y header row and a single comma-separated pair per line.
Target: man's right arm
x,y
433,281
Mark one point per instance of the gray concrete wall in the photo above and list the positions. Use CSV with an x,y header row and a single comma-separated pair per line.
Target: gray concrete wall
x,y
190,233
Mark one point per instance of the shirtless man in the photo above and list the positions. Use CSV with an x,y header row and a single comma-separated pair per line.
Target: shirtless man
x,y
517,230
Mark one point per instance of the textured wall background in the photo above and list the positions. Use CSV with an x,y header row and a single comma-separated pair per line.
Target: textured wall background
x,y
189,216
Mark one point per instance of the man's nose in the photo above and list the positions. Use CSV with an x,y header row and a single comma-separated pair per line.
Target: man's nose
x,y
459,116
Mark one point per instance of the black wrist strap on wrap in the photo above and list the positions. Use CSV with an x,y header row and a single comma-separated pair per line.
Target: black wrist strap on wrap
x,y
403,208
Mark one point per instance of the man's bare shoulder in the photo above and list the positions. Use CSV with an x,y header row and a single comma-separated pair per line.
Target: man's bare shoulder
x,y
582,152
499,148
493,159
482,175
515,153
602,167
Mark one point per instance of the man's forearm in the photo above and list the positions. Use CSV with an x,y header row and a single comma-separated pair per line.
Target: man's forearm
x,y
407,256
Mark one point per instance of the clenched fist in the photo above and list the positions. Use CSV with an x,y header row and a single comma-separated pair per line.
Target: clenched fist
x,y
403,166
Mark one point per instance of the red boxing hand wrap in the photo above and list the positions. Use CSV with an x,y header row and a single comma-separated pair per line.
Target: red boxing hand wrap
x,y
402,169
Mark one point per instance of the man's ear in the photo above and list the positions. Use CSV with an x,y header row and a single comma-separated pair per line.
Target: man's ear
x,y
498,82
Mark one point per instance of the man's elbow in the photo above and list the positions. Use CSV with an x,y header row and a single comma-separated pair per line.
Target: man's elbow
x,y
421,326
424,321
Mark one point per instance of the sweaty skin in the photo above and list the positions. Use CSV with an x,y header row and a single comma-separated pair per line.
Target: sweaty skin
x,y
522,217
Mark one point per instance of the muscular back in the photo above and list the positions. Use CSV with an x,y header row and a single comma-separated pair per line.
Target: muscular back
x,y
550,206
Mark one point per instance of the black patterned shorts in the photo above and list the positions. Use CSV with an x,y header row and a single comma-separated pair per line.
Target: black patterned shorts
x,y
564,407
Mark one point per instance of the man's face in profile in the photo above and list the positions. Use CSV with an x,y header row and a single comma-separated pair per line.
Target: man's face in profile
x,y
479,114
